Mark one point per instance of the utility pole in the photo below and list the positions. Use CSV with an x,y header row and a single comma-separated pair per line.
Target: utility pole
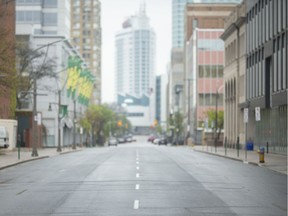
x,y
189,110
59,124
216,121
74,126
34,118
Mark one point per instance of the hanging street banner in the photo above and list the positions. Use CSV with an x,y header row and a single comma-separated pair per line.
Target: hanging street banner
x,y
79,81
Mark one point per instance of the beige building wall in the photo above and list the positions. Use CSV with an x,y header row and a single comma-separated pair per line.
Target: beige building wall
x,y
234,76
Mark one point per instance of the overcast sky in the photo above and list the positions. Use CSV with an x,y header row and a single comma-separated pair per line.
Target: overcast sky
x,y
114,12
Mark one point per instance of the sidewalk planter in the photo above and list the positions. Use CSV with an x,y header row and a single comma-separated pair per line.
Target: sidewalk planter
x,y
249,146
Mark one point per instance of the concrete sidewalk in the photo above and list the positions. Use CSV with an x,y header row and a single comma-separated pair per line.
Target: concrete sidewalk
x,y
9,158
275,162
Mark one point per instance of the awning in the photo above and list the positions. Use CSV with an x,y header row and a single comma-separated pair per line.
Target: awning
x,y
66,121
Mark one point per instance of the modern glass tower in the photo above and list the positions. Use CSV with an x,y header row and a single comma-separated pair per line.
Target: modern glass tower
x,y
135,60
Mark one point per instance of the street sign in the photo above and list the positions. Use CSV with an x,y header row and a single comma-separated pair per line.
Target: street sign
x,y
257,114
39,119
246,115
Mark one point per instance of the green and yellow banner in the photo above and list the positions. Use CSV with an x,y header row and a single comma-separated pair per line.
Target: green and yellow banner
x,y
79,80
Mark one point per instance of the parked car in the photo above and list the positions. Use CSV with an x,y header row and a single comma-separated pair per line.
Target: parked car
x,y
151,138
156,140
4,137
162,141
121,140
112,141
128,139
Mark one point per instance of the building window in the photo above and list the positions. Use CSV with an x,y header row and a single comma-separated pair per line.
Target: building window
x,y
50,3
50,19
28,16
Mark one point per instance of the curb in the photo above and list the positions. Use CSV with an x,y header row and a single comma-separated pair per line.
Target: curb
x,y
24,161
240,160
37,158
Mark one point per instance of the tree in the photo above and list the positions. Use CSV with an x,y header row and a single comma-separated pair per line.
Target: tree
x,y
176,121
211,114
31,65
98,116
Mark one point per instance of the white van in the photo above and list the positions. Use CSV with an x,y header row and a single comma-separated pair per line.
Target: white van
x,y
4,137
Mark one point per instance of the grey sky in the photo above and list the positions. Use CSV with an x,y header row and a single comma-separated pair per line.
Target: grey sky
x,y
114,12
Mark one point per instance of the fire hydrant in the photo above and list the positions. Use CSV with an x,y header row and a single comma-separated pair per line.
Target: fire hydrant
x,y
261,153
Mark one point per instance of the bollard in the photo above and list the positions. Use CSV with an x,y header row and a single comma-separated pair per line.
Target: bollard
x,y
267,149
261,153
237,145
225,143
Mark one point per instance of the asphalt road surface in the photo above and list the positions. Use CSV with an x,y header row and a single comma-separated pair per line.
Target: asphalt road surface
x,y
141,179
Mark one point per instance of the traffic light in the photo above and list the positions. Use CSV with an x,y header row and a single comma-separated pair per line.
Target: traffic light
x,y
155,122
119,123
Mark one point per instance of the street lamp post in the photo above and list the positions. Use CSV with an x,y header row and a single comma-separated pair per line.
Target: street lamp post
x,y
189,114
74,126
34,126
216,117
59,149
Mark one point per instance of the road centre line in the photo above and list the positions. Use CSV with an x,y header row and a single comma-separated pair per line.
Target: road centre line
x,y
136,204
137,187
137,167
137,175
137,162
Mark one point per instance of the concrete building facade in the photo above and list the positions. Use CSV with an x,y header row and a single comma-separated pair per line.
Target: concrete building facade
x,y
86,34
200,16
234,75
266,73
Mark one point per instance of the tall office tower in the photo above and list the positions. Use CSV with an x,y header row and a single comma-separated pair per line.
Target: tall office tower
x,y
178,8
135,63
86,34
43,17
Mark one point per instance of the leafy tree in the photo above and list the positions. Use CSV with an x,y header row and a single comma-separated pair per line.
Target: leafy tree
x,y
176,121
98,116
211,114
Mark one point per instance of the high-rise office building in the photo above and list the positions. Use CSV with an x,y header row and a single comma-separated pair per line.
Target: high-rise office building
x,y
43,17
135,63
178,8
86,34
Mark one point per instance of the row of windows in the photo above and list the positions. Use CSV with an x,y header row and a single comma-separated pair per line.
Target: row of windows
x,y
48,19
256,76
231,50
266,19
210,71
210,99
211,45
46,3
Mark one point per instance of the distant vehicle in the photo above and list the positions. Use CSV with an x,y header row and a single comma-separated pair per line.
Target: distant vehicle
x,y
162,141
128,139
112,141
180,141
4,137
121,140
151,138
156,140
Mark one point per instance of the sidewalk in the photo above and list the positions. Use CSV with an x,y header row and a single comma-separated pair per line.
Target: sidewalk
x,y
9,158
275,162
